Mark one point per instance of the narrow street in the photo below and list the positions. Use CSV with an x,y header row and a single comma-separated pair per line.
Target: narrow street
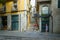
x,y
28,36
29,19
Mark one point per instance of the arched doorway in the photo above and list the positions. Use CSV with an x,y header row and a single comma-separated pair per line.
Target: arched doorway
x,y
44,11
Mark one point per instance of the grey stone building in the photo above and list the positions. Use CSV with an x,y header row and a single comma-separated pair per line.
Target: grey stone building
x,y
53,11
56,15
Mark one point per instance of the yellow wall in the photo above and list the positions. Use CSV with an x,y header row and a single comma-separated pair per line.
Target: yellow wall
x,y
28,14
20,6
18,3
28,21
9,6
27,5
0,5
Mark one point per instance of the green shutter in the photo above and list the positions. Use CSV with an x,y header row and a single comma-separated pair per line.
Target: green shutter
x,y
58,3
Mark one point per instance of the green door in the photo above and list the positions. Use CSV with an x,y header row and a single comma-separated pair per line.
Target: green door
x,y
45,21
15,23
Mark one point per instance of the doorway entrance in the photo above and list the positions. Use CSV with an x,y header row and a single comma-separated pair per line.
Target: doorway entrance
x,y
44,11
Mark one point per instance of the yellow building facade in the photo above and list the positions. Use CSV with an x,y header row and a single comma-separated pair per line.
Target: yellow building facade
x,y
14,15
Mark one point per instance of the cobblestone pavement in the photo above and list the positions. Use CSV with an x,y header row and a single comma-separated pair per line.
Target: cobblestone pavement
x,y
28,36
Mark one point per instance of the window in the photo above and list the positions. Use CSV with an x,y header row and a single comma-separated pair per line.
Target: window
x,y
15,22
58,3
4,23
3,9
45,10
14,6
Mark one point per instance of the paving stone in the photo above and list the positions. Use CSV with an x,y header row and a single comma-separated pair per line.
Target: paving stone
x,y
32,37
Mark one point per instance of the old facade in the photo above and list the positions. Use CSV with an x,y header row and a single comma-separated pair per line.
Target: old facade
x,y
13,15
53,5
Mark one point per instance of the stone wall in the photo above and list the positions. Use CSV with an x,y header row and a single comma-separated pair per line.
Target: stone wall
x,y
56,16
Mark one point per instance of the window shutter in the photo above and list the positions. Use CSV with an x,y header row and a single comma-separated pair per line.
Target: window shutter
x,y
58,3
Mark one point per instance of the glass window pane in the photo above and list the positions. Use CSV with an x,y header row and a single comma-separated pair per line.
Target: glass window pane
x,y
45,10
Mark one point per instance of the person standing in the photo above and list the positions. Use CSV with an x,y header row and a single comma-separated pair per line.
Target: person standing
x,y
46,28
